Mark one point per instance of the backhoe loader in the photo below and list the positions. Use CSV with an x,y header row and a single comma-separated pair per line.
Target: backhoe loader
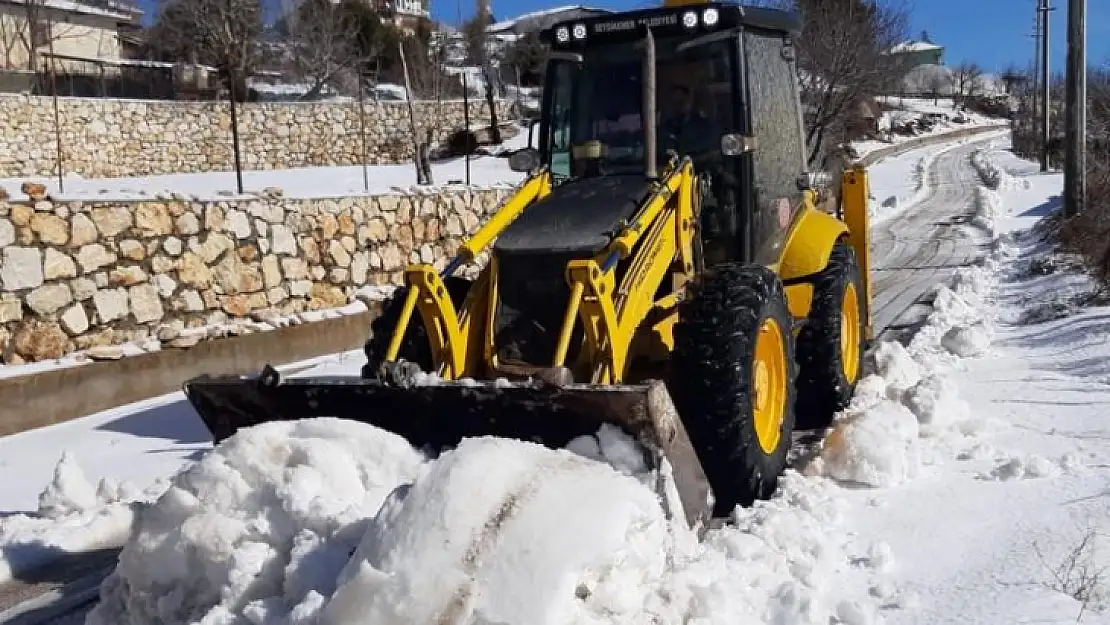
x,y
661,268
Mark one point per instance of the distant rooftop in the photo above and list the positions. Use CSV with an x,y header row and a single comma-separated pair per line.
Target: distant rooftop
x,y
915,46
104,8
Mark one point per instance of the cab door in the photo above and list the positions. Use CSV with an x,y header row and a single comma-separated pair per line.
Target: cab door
x,y
779,162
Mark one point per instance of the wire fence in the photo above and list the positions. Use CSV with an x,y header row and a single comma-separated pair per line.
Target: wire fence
x,y
71,76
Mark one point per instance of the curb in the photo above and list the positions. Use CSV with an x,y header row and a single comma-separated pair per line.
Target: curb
x,y
58,395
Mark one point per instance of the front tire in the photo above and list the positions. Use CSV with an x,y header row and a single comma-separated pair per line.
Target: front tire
x,y
832,342
732,381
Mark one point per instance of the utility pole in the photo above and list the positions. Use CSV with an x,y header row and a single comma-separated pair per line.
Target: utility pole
x,y
1035,119
1075,160
1046,106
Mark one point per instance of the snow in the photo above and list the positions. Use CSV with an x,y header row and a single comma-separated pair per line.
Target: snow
x,y
132,451
904,110
277,525
969,470
898,182
508,25
274,513
914,46
305,182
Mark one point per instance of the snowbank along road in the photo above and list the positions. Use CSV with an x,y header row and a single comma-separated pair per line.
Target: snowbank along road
x,y
923,244
784,564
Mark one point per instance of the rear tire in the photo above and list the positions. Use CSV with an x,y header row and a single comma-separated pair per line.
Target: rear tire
x,y
733,381
415,347
831,344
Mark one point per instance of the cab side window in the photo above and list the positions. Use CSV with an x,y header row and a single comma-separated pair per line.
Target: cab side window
x,y
561,104
780,157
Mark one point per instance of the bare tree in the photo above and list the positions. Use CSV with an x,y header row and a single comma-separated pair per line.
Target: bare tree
x,y
478,51
14,35
420,149
967,78
33,29
221,33
937,83
321,39
843,56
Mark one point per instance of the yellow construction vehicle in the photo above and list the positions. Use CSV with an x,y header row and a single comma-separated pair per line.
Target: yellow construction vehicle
x,y
662,268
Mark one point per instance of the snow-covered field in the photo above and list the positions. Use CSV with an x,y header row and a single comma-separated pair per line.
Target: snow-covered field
x,y
968,470
305,182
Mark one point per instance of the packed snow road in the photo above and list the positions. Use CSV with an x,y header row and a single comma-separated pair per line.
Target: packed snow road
x,y
925,243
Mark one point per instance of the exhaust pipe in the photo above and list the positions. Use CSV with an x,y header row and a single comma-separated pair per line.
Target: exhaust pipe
x,y
648,81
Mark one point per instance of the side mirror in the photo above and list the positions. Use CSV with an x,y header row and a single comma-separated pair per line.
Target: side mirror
x,y
524,160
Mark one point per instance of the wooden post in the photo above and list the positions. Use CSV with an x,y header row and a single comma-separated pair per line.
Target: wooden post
x,y
231,84
1075,162
57,114
466,125
362,132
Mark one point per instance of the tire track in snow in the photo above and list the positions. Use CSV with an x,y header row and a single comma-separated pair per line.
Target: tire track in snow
x,y
926,243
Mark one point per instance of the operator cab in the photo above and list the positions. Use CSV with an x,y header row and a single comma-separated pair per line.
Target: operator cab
x,y
725,96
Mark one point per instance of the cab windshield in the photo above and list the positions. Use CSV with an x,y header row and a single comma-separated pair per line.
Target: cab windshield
x,y
600,99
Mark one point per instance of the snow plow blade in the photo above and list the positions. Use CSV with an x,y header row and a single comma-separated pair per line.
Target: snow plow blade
x,y
436,417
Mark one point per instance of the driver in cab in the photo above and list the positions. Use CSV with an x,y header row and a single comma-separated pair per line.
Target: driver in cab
x,y
685,128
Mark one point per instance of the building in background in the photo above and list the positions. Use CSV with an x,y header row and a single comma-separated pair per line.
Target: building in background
x,y
917,53
404,14
75,30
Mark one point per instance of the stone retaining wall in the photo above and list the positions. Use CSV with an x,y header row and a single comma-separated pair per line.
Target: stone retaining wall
x,y
75,276
119,138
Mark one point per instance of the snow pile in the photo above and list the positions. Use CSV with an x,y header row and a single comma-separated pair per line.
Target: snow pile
x,y
536,536
875,445
910,410
266,519
994,176
988,198
73,516
328,521
785,561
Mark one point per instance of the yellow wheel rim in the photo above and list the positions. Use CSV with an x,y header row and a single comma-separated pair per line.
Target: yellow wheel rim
x,y
769,385
849,333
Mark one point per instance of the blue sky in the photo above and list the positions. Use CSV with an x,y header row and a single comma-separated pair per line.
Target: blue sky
x,y
993,33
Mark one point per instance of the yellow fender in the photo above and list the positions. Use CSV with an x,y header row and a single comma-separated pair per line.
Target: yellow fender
x,y
806,252
809,243
812,237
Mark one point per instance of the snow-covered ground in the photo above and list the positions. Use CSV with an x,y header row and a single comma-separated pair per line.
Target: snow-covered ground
x,y
904,110
898,182
969,468
305,182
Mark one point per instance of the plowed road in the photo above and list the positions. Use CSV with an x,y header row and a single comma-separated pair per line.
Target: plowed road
x,y
925,243
912,251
